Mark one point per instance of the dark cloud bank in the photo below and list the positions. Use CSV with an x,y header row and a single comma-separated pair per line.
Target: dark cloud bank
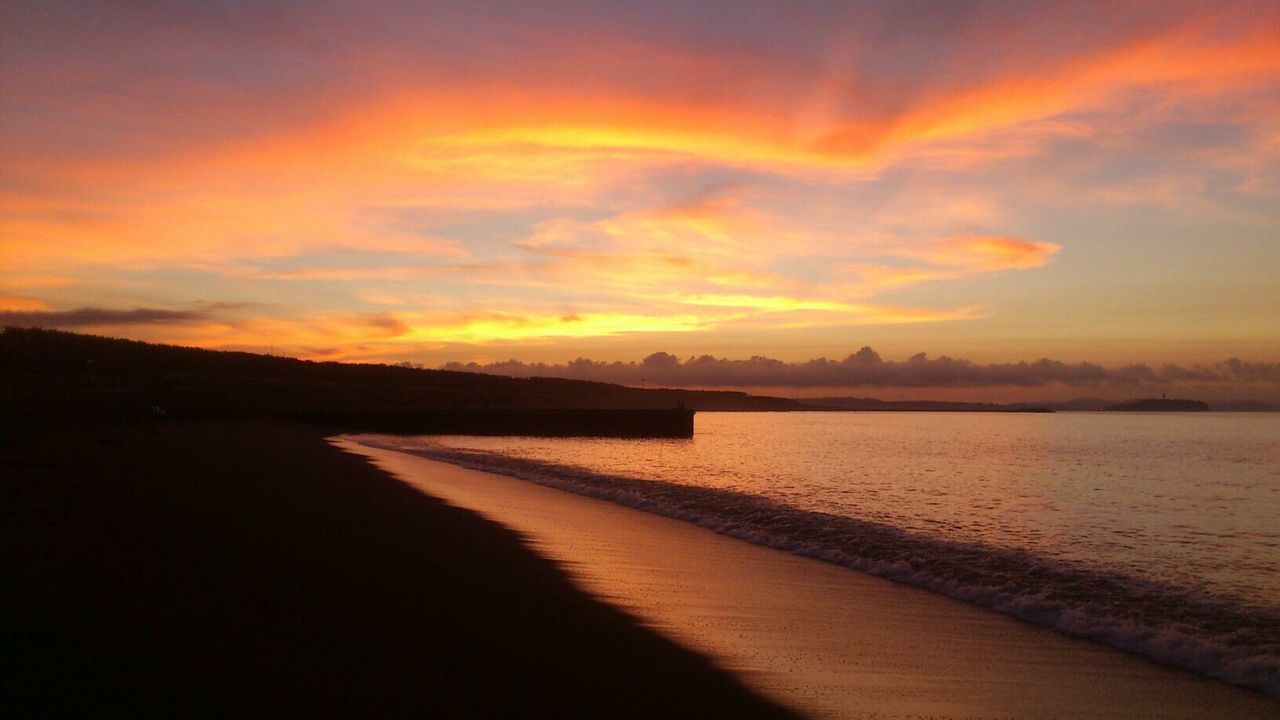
x,y
100,317
95,317
866,368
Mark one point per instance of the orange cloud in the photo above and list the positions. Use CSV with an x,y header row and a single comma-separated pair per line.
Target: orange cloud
x,y
490,328
21,303
871,277
604,183
384,335
521,146
992,253
952,259
1187,61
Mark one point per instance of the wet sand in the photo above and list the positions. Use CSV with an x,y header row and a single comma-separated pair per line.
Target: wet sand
x,y
232,569
830,641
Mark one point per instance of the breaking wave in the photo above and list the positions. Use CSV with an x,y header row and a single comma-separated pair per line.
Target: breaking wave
x,y
1215,636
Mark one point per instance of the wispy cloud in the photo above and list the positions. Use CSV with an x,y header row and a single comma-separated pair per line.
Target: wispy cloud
x,y
678,167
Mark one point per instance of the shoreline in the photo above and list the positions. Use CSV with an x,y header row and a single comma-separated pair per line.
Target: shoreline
x,y
249,568
827,639
1040,593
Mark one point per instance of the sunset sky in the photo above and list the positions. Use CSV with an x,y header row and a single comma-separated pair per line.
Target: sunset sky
x,y
435,182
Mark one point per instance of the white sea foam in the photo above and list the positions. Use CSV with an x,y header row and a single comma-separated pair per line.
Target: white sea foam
x,y
1210,634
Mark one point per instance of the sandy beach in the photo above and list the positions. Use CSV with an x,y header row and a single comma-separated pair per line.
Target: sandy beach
x,y
829,641
248,568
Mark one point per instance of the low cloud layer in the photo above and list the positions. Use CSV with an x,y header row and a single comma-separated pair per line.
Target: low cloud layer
x,y
89,317
866,369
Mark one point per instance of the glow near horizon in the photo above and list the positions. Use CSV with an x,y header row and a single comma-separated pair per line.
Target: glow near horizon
x,y
390,183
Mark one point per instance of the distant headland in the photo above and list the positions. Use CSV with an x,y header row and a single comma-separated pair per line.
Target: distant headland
x,y
875,405
1161,405
1091,404
50,377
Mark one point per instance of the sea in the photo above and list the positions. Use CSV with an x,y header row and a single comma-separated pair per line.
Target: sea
x,y
1157,533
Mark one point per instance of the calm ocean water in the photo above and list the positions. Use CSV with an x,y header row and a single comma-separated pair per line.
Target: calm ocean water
x,y
1157,533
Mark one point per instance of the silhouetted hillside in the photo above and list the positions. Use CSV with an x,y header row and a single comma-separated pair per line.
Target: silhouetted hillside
x,y
48,375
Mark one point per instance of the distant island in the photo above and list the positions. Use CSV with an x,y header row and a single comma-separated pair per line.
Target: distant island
x,y
1161,405
874,405
1089,404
